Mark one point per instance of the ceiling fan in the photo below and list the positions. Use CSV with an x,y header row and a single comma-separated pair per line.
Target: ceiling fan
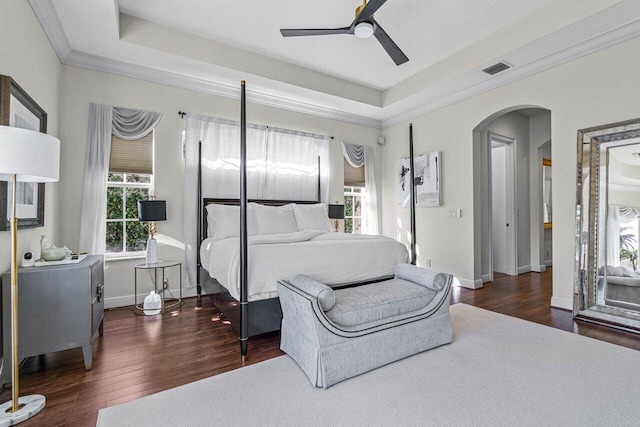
x,y
363,26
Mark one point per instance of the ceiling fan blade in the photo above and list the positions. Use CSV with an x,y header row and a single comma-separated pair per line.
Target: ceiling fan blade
x,y
316,32
368,11
392,49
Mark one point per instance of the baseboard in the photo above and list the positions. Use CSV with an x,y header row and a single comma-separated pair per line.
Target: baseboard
x,y
539,268
548,262
524,269
485,278
466,283
127,300
562,303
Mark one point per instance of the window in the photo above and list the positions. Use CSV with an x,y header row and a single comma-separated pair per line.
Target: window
x,y
130,179
353,209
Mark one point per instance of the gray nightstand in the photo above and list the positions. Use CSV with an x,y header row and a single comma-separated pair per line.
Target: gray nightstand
x,y
59,307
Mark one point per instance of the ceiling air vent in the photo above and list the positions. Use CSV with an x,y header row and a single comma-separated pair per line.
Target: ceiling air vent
x,y
495,69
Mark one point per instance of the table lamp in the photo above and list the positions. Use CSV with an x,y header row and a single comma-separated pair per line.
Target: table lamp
x,y
336,212
27,156
151,211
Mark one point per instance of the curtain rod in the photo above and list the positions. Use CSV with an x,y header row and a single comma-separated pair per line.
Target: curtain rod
x,y
182,114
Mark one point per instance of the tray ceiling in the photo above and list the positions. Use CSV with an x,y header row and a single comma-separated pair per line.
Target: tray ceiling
x,y
210,45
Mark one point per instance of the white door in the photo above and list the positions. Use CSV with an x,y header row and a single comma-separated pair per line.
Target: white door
x,y
503,221
498,209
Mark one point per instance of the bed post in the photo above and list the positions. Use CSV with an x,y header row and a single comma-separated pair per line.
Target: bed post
x,y
412,196
244,305
200,207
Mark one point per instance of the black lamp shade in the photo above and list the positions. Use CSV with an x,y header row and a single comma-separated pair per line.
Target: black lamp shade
x,y
152,210
336,211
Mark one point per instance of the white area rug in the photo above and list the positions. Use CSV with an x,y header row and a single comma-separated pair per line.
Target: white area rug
x,y
499,371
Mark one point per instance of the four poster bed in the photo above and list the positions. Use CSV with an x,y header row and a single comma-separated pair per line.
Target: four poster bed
x,y
277,240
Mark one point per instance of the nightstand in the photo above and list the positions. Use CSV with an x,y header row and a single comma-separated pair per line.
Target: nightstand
x,y
158,267
59,307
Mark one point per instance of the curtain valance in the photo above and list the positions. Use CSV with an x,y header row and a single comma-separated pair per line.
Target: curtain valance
x,y
133,124
354,154
628,214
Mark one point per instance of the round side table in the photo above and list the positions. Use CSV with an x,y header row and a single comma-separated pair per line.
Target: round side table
x,y
158,267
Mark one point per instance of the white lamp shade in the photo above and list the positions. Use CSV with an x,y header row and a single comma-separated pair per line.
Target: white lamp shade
x,y
31,156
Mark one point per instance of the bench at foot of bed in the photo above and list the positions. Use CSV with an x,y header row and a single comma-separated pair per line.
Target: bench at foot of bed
x,y
337,334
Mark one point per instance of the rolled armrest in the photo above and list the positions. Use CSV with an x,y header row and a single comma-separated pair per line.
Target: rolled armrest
x,y
323,293
421,276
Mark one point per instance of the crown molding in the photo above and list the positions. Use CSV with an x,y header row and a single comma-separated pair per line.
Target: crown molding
x,y
98,63
50,23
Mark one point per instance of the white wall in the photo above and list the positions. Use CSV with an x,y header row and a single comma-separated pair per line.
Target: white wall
x,y
539,147
30,60
600,88
81,86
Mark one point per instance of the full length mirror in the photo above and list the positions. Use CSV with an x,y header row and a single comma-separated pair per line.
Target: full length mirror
x,y
607,283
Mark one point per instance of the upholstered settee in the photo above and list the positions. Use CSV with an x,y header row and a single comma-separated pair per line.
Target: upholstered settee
x,y
621,287
336,334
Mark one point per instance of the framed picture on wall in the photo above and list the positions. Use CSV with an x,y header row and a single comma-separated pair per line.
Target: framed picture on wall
x,y
18,109
426,179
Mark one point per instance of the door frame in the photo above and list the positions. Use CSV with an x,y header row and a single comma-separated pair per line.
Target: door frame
x,y
512,200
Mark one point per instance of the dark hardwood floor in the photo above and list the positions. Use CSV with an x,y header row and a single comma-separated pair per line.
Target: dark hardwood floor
x,y
138,355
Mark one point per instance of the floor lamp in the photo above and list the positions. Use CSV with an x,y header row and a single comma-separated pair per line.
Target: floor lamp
x,y
26,156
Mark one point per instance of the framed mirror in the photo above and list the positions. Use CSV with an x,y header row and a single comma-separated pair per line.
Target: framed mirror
x,y
546,194
607,274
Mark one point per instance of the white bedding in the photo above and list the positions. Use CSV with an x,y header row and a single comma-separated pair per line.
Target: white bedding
x,y
330,258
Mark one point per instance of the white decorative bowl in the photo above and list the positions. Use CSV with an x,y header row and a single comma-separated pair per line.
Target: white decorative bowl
x,y
53,254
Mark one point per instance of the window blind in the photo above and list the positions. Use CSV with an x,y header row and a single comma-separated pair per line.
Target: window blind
x,y
353,177
132,156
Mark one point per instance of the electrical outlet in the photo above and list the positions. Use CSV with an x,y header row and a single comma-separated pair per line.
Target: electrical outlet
x,y
427,262
456,213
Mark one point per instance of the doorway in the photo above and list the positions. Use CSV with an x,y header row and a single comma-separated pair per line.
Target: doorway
x,y
503,210
522,129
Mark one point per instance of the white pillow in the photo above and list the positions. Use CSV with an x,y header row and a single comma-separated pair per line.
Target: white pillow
x,y
223,221
312,217
274,219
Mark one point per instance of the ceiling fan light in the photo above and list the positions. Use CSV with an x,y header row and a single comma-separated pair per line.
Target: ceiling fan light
x,y
364,30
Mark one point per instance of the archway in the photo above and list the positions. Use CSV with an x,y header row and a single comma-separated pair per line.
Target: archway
x,y
529,127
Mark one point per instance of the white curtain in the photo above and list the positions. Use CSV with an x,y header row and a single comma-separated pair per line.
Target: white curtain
x,y
292,166
281,164
103,121
613,236
93,225
358,156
